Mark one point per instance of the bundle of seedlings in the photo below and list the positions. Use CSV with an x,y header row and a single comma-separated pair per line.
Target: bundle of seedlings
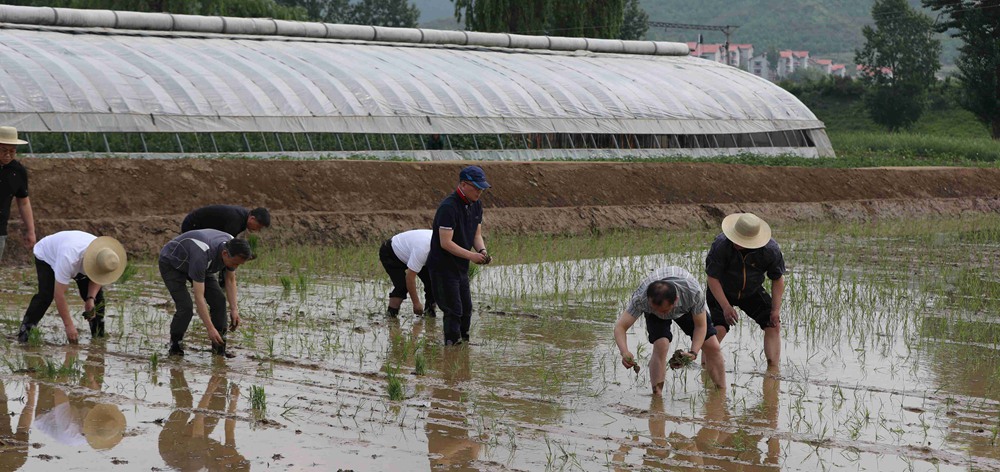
x,y
679,360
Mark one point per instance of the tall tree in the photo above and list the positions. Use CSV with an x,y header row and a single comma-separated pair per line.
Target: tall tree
x,y
590,18
977,24
384,13
898,60
635,22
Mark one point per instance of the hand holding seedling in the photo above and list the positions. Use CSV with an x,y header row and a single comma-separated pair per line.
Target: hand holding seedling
x,y
234,321
628,360
681,358
418,308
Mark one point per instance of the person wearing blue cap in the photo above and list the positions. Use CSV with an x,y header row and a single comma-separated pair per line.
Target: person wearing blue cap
x,y
456,239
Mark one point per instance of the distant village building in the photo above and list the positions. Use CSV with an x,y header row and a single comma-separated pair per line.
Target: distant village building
x,y
742,56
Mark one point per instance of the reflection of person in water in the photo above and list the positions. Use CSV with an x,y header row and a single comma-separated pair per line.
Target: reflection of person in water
x,y
713,446
14,442
79,420
448,441
185,443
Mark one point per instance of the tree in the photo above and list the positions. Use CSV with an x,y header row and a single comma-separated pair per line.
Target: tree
x,y
328,11
898,62
635,22
384,13
977,24
594,19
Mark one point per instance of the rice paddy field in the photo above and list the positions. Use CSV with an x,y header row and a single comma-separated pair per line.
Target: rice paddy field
x,y
889,362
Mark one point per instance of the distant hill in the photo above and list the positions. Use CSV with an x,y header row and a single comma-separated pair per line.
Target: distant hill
x,y
827,28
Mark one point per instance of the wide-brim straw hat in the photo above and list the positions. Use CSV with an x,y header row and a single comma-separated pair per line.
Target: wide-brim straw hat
x,y
8,135
104,260
747,230
103,426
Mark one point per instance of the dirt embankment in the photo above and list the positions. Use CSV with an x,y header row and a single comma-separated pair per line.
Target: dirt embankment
x,y
142,202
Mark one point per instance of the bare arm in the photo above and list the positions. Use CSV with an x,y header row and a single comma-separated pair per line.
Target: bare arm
x,y
625,321
201,306
700,330
458,251
63,307
234,308
777,292
477,243
411,288
720,296
24,207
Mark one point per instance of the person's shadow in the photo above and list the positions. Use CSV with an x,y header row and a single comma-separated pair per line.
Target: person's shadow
x,y
448,443
184,442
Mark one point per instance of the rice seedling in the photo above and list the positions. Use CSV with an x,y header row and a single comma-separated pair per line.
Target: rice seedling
x,y
395,387
419,364
286,283
35,337
258,401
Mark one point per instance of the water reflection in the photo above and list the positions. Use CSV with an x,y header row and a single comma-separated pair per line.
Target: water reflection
x,y
448,443
14,439
68,418
184,441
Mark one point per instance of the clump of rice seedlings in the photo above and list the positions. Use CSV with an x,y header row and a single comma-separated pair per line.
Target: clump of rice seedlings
x,y
154,361
395,387
302,283
130,271
254,242
54,370
679,360
419,364
35,337
258,400
286,283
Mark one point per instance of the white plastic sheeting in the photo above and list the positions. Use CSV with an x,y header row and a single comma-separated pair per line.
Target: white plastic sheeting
x,y
97,79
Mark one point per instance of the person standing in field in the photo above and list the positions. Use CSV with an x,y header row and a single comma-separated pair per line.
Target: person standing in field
x,y
457,239
670,294
230,219
73,256
404,257
197,256
14,184
739,259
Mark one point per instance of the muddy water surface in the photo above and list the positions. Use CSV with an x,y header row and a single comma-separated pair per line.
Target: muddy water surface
x,y
887,365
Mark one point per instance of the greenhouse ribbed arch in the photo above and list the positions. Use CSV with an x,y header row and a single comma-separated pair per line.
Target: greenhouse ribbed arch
x,y
162,85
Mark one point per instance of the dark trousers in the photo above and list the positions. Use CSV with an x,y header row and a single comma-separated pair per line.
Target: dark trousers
x,y
177,284
46,292
397,273
451,291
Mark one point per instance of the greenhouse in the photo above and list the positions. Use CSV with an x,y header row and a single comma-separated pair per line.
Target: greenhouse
x,y
161,85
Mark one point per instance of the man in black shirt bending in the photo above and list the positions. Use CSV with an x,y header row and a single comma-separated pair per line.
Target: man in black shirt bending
x,y
13,184
230,219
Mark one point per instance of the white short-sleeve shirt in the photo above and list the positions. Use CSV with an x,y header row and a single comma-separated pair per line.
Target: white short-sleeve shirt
x,y
64,252
412,248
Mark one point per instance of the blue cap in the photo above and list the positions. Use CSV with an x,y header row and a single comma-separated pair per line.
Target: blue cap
x,y
475,175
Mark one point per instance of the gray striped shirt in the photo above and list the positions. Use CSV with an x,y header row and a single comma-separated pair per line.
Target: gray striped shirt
x,y
690,295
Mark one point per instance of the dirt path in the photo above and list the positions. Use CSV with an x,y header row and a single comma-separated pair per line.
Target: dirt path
x,y
142,201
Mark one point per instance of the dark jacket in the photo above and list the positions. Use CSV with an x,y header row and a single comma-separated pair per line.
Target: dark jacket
x,y
742,272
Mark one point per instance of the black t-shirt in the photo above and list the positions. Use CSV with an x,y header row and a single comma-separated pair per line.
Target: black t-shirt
x,y
230,219
463,220
13,183
741,272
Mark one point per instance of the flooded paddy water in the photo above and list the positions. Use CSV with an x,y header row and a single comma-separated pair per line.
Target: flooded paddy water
x,y
889,362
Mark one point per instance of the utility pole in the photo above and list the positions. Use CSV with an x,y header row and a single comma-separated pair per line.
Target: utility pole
x,y
726,30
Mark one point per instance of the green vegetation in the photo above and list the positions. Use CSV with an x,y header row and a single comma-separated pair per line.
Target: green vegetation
x,y
258,400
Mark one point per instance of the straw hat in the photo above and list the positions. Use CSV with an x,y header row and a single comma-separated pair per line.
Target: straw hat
x,y
747,230
104,260
8,135
103,426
